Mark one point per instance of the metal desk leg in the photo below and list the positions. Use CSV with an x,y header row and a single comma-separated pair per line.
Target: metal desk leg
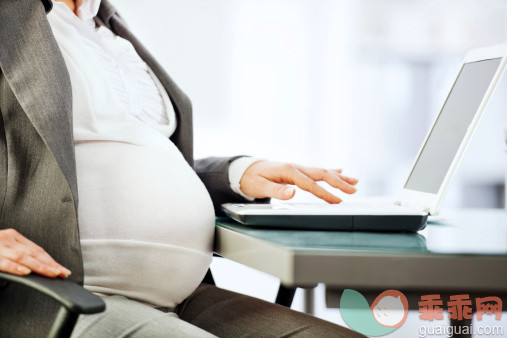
x,y
457,323
285,296
309,300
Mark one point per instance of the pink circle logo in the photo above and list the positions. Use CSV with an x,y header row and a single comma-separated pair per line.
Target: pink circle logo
x,y
390,308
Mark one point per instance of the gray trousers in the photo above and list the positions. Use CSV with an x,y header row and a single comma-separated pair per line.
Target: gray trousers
x,y
208,312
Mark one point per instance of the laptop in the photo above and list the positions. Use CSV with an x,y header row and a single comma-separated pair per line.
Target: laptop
x,y
429,176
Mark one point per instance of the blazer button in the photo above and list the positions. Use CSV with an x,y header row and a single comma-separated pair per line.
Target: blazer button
x,y
66,199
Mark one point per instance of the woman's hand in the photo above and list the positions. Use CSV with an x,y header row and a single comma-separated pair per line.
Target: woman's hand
x,y
269,179
20,256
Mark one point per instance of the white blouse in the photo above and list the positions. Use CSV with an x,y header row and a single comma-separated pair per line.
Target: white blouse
x,y
146,220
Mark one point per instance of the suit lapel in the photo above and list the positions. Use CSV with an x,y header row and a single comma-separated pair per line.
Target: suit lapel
x,y
183,136
35,70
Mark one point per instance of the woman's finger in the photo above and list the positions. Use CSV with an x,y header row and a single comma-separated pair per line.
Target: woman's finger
x,y
9,266
275,190
45,258
39,254
23,256
296,177
331,178
349,180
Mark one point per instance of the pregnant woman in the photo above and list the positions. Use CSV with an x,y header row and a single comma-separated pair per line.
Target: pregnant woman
x,y
98,182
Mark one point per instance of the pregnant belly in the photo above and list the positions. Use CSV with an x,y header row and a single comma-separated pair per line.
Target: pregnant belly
x,y
146,221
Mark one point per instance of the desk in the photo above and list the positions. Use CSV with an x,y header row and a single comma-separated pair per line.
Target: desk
x,y
465,254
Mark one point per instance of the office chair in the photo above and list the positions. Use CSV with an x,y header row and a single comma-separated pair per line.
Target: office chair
x,y
72,297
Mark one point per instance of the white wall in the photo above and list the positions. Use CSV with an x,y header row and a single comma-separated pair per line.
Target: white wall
x,y
352,84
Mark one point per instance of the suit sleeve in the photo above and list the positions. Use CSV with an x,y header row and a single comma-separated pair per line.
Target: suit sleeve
x,y
214,173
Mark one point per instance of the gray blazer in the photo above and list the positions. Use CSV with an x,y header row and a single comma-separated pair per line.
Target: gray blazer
x,y
38,185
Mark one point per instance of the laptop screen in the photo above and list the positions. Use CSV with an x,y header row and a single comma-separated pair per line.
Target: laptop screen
x,y
451,126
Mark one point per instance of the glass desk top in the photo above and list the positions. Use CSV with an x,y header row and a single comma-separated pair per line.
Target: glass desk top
x,y
471,231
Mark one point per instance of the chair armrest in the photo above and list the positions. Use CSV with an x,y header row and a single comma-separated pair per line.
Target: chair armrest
x,y
69,294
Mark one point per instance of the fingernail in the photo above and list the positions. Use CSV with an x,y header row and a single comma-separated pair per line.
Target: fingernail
x,y
24,270
288,192
55,271
66,272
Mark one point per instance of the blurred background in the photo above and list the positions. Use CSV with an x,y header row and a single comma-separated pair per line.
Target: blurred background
x,y
353,84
